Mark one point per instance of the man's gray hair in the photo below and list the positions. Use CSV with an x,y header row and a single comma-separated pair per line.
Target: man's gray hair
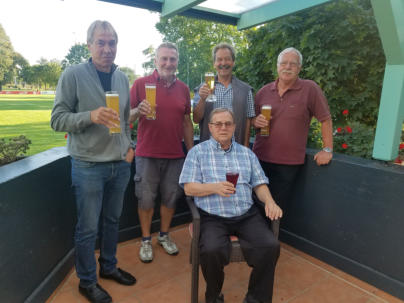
x,y
224,46
221,110
105,25
167,45
290,50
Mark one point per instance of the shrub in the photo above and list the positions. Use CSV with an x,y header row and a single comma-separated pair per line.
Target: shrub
x,y
13,149
355,139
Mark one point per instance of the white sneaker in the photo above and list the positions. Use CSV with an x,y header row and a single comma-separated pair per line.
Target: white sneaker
x,y
146,252
168,244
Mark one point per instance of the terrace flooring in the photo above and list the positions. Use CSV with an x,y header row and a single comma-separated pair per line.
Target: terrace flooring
x,y
299,278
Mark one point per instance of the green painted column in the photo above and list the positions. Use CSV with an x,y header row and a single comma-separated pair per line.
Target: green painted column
x,y
390,21
391,114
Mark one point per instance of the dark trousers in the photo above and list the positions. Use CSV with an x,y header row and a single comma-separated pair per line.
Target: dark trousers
x,y
281,181
258,243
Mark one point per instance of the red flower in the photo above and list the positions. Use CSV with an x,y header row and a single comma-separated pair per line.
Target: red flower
x,y
348,129
130,125
345,112
339,129
401,146
344,145
65,136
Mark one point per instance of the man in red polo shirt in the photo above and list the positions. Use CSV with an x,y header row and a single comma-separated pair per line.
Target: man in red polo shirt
x,y
294,102
159,153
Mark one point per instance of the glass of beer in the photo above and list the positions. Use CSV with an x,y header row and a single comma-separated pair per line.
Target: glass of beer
x,y
151,98
266,112
210,81
112,100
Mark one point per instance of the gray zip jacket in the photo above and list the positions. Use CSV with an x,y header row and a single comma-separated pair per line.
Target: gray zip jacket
x,y
79,91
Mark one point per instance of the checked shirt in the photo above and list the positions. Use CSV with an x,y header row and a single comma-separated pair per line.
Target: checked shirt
x,y
207,162
225,99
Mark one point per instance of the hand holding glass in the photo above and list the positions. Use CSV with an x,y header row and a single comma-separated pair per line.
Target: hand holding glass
x,y
266,112
210,81
112,100
151,98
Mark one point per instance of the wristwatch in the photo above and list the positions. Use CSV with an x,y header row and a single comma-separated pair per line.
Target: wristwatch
x,y
327,149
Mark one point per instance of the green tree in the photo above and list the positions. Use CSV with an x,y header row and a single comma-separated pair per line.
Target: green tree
x,y
342,52
130,73
27,74
195,40
19,63
45,73
78,53
148,66
51,72
6,58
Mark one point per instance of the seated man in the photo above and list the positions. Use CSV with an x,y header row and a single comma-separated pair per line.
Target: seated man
x,y
227,210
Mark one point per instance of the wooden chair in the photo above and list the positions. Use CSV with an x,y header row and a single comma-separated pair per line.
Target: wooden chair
x,y
236,252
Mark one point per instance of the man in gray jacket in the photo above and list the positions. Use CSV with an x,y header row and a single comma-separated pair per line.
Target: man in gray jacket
x,y
100,160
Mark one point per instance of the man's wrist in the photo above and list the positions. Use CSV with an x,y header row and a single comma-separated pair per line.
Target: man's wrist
x,y
134,111
327,149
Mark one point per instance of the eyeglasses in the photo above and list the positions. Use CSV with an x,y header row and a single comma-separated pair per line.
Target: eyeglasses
x,y
221,124
293,64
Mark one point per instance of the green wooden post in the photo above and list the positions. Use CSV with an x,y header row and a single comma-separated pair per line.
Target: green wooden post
x,y
389,17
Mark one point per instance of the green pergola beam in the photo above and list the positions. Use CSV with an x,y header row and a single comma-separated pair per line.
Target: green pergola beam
x,y
174,7
389,17
275,10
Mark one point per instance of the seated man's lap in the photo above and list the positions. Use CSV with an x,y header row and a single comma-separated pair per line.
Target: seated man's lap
x,y
214,235
254,231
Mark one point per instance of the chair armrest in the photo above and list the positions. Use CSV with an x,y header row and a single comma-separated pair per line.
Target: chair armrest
x,y
275,227
193,208
196,218
274,223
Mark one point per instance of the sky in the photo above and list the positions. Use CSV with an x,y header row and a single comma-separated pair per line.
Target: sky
x,y
48,28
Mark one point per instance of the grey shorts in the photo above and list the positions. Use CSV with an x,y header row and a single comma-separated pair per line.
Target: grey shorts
x,y
155,176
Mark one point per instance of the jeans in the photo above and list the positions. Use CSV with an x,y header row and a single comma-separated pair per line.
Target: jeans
x,y
99,189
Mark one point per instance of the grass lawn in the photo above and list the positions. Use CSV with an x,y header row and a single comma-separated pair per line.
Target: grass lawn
x,y
29,115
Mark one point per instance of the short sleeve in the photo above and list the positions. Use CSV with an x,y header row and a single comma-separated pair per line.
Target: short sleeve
x,y
319,106
191,171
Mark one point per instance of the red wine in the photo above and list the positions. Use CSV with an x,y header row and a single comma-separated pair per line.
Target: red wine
x,y
232,178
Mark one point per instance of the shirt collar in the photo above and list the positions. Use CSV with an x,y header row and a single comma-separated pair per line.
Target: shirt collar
x,y
157,78
216,145
233,78
113,67
297,85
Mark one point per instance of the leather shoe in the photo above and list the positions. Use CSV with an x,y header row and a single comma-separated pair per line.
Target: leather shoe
x,y
95,294
120,276
219,299
250,299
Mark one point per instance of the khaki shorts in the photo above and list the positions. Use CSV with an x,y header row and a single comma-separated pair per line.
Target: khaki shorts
x,y
155,176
